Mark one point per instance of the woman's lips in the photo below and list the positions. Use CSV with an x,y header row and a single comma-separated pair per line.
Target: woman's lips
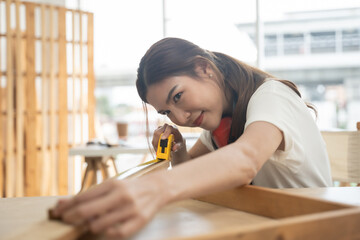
x,y
199,120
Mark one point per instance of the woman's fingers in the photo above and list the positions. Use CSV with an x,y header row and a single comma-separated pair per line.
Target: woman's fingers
x,y
112,218
100,206
166,130
94,192
156,135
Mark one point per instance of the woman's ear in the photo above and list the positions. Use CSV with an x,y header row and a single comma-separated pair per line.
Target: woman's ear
x,y
203,69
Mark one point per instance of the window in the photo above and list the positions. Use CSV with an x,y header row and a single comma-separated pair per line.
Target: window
x,y
270,45
351,40
323,42
294,43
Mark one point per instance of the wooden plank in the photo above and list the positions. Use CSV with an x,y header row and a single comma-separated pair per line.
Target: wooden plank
x,y
1,129
348,195
310,223
43,161
91,78
50,230
73,109
334,225
163,165
269,202
10,184
73,80
21,215
52,126
184,218
82,111
63,108
32,171
19,109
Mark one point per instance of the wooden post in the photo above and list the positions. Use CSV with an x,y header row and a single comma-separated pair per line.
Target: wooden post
x,y
63,108
19,109
10,184
53,182
1,132
43,161
82,112
73,115
73,78
91,79
32,172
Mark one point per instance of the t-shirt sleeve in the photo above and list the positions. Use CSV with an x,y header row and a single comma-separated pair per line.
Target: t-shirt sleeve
x,y
275,107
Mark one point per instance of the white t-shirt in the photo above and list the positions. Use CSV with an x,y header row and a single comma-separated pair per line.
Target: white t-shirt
x,y
304,161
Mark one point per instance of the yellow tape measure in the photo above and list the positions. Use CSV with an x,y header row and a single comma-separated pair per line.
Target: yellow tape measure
x,y
163,153
164,148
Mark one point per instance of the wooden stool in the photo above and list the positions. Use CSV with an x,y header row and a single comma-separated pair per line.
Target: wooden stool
x,y
94,165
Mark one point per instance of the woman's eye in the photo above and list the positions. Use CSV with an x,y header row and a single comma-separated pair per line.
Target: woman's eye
x,y
177,97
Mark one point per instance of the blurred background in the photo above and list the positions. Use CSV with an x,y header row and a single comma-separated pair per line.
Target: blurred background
x,y
314,43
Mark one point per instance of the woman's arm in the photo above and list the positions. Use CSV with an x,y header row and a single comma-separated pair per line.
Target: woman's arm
x,y
233,165
120,208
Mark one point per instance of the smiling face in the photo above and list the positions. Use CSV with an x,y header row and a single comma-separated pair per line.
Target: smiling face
x,y
188,101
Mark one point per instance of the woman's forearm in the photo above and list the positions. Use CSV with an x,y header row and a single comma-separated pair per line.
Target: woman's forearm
x,y
223,169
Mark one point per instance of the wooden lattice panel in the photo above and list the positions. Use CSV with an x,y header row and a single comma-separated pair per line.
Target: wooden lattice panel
x,y
46,95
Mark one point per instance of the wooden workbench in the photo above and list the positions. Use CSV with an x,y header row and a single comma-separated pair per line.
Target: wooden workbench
x,y
191,219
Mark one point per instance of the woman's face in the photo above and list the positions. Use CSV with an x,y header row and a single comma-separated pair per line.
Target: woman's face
x,y
189,101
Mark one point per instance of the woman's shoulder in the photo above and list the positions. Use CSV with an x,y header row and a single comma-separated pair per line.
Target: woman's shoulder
x,y
272,85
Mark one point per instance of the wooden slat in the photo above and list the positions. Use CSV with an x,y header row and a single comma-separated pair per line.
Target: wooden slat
x,y
163,165
32,172
73,79
82,111
1,130
52,127
269,202
334,225
19,109
10,184
43,161
63,108
73,113
50,230
2,175
91,78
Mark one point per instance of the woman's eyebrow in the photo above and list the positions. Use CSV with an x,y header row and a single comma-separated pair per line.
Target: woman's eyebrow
x,y
170,94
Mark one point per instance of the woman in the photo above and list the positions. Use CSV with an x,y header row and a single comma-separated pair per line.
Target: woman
x,y
261,129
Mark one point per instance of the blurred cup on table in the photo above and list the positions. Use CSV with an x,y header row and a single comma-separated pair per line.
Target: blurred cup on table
x,y
122,129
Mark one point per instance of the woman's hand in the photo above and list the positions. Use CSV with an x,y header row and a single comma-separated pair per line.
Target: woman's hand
x,y
116,208
179,145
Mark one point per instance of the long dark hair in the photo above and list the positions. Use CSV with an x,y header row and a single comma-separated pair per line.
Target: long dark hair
x,y
178,57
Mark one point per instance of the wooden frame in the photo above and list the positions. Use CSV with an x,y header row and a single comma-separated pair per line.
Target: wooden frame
x,y
291,216
34,111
